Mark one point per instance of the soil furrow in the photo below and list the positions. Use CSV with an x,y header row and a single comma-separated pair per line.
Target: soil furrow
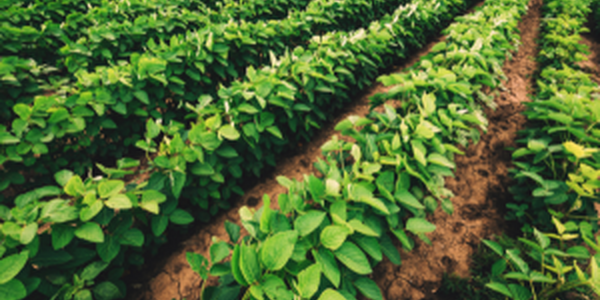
x,y
480,184
165,287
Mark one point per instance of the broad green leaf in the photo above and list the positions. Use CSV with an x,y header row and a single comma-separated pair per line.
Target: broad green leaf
x,y
277,249
93,270
233,231
331,294
198,264
159,224
109,188
494,246
132,237
333,236
74,186
353,258
513,255
236,266
218,252
329,266
368,288
370,245
229,132
28,233
11,265
181,217
519,292
541,238
12,290
419,225
362,228
90,232
390,251
405,197
89,212
107,291
500,288
83,295
249,264
439,159
275,288
309,280
62,235
118,201
308,222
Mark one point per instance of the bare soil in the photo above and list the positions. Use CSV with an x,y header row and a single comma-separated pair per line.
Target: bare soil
x,y
480,187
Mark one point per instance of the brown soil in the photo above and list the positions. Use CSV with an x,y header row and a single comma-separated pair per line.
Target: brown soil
x,y
480,187
592,65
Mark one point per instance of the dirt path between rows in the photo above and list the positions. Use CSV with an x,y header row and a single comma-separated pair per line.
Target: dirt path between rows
x,y
175,279
481,187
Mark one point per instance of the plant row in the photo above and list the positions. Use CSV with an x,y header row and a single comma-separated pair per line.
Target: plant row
x,y
153,83
557,168
76,240
331,230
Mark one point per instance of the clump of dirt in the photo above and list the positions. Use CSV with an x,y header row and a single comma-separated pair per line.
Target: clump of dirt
x,y
481,187
592,65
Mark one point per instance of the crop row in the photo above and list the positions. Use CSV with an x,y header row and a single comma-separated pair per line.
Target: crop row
x,y
330,231
183,70
556,171
105,218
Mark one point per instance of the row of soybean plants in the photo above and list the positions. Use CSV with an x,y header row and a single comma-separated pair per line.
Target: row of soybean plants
x,y
331,230
556,171
168,74
75,239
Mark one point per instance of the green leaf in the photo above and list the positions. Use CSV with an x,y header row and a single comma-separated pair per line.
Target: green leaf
x,y
119,201
181,217
142,96
93,270
495,247
132,237
362,228
218,252
370,245
308,222
331,294
90,232
62,235
109,188
62,177
159,224
333,236
439,159
309,280
236,266
419,225
541,238
229,132
368,288
353,258
513,255
277,249
500,288
198,264
329,267
12,290
177,183
28,233
75,186
274,130
89,212
519,292
405,197
83,295
249,264
233,231
11,265
107,291
390,251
